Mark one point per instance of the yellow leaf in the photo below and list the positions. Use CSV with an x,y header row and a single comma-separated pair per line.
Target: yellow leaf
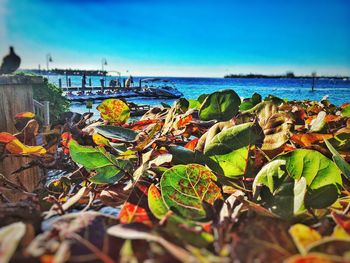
x,y
16,147
303,236
114,111
26,114
339,232
99,140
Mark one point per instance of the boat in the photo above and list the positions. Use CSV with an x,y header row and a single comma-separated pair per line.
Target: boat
x,y
98,95
150,87
159,88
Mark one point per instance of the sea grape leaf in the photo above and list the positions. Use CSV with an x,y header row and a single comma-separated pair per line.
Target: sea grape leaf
x,y
229,149
100,140
277,130
108,169
114,111
331,246
185,187
339,161
303,236
182,155
246,105
191,145
181,105
319,122
286,195
174,222
220,105
342,220
341,140
10,237
251,102
16,147
256,98
290,174
6,137
321,174
233,138
132,232
132,213
26,114
346,111
264,110
308,139
194,104
118,133
313,258
207,137
202,97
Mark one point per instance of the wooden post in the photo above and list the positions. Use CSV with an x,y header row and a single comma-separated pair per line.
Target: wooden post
x,y
46,113
16,95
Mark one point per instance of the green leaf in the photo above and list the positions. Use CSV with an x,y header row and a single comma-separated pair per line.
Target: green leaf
x,y
174,222
182,155
346,111
115,132
246,105
108,169
202,97
339,161
185,187
341,140
181,105
194,104
229,149
256,98
286,177
220,105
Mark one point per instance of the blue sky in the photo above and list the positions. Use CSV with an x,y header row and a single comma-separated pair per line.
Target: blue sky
x,y
181,38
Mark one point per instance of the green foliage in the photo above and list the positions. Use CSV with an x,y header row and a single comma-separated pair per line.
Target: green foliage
x,y
220,105
346,111
108,169
230,149
297,180
50,92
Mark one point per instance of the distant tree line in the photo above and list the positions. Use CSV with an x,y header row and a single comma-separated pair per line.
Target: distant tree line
x,y
289,74
67,71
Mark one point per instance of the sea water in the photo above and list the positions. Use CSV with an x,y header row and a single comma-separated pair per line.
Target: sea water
x,y
338,90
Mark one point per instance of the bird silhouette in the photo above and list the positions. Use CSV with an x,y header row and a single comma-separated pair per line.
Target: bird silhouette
x,y
10,63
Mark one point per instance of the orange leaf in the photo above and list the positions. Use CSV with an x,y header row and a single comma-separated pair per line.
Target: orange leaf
x,y
133,213
16,147
330,118
6,137
26,114
65,139
310,258
344,105
342,220
191,145
139,125
307,139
